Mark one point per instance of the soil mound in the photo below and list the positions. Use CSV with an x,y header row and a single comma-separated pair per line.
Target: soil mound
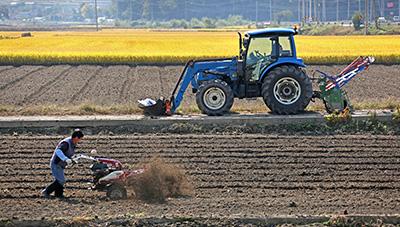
x,y
160,181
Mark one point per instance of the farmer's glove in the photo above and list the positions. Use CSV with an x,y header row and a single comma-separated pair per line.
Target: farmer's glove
x,y
69,161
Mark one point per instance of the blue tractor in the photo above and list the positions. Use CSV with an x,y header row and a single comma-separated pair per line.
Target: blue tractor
x,y
267,67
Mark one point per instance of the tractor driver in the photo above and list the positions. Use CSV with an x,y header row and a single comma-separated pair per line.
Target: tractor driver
x,y
260,55
61,158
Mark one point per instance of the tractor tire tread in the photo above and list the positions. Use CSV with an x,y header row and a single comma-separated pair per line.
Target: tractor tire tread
x,y
228,93
268,85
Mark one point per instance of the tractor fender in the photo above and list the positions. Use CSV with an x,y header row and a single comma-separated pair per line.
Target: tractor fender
x,y
277,64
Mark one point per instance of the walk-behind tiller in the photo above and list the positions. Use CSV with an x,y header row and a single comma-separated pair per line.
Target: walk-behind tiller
x,y
109,176
267,66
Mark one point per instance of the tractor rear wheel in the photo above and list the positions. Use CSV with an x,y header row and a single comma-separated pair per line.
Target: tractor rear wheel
x,y
214,97
287,90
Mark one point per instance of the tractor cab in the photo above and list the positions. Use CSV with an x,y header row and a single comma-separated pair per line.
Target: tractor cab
x,y
263,48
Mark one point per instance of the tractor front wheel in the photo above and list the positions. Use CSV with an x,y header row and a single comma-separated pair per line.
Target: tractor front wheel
x,y
214,97
116,192
287,90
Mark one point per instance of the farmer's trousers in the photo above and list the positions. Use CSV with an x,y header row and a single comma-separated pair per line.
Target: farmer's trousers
x,y
58,173
57,185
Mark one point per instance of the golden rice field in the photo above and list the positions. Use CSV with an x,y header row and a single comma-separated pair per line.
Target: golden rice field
x,y
165,47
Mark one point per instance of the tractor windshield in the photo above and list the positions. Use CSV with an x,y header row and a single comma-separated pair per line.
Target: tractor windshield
x,y
258,56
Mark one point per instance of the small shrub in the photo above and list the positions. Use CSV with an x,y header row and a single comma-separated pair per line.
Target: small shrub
x,y
396,114
338,117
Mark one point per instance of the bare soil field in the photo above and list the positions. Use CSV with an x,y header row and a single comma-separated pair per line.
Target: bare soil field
x,y
64,85
234,176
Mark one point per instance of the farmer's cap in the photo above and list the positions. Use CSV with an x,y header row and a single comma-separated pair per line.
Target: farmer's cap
x,y
77,133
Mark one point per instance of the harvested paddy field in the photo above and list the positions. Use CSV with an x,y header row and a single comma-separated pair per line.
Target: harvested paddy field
x,y
57,89
234,176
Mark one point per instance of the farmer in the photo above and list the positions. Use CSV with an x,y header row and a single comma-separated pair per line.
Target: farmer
x,y
61,158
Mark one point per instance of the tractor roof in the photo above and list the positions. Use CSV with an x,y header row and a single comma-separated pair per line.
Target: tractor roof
x,y
271,31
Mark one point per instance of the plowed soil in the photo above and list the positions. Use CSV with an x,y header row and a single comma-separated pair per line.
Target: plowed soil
x,y
114,85
245,176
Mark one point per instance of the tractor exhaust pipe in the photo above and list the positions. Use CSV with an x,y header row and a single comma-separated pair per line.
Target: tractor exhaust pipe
x,y
240,45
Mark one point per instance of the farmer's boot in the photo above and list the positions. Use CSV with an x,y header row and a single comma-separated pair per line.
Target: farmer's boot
x,y
49,189
59,192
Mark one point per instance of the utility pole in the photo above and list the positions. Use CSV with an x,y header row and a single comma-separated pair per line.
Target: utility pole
x,y
373,14
298,10
371,8
366,18
185,11
270,10
117,9
152,10
348,9
324,10
359,6
337,10
315,10
130,10
95,11
304,12
256,12
310,10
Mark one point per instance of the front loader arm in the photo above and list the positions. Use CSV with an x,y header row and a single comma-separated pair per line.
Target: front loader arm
x,y
193,68
186,77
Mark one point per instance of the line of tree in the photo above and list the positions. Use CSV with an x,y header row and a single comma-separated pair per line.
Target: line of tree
x,y
256,10
188,9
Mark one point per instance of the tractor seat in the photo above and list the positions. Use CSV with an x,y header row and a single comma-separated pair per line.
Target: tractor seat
x,y
285,53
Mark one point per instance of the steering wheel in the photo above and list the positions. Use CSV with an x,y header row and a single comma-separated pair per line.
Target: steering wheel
x,y
259,55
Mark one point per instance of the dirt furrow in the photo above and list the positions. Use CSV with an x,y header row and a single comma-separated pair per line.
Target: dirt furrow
x,y
241,174
234,178
77,93
245,161
45,87
30,84
210,146
130,83
125,85
225,153
332,140
105,88
17,76
4,69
